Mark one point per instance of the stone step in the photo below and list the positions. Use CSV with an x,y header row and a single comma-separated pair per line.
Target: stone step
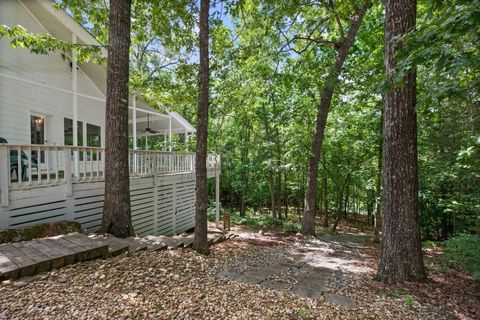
x,y
134,244
171,242
153,245
187,240
115,248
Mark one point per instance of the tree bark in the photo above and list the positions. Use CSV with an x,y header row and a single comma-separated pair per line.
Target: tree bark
x,y
117,217
285,193
377,224
200,243
401,254
308,224
244,171
325,200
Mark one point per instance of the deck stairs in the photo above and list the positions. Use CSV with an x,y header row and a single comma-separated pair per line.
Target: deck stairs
x,y
27,258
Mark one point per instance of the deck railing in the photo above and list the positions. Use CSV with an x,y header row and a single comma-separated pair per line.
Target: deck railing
x,y
23,166
145,163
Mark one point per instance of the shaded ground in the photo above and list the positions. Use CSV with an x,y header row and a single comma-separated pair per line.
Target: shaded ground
x,y
180,284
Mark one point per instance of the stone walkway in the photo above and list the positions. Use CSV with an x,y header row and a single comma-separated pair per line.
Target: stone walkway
x,y
305,269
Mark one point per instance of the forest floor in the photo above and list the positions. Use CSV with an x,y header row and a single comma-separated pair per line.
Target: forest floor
x,y
180,284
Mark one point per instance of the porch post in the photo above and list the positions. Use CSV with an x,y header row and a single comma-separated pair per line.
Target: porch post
x,y
5,175
75,109
169,132
165,140
134,110
217,197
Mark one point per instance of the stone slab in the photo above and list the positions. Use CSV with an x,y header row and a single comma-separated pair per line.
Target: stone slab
x,y
312,284
340,300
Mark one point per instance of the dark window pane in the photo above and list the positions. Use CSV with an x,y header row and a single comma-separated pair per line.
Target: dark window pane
x,y
93,135
68,130
37,130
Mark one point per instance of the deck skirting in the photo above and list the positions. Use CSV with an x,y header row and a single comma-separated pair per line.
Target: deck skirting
x,y
161,205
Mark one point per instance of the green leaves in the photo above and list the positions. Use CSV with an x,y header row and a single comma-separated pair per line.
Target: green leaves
x,y
44,43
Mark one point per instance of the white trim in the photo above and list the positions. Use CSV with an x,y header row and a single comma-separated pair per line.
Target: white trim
x,y
46,135
148,111
70,24
76,158
33,17
8,76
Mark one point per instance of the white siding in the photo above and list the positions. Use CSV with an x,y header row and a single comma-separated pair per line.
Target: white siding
x,y
18,99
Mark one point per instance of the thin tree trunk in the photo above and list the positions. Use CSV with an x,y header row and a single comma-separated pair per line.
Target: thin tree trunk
x,y
308,224
279,195
244,172
401,256
273,203
346,204
285,193
200,243
271,181
117,217
338,212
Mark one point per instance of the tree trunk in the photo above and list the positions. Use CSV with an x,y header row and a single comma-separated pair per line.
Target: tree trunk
x,y
273,203
325,200
401,254
338,212
200,243
378,189
117,217
308,224
244,171
285,194
347,199
279,195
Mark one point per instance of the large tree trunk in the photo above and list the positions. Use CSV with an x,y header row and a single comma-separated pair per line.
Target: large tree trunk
x,y
200,243
401,254
308,224
377,224
117,217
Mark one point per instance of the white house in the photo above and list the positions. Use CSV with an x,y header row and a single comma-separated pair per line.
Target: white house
x,y
48,173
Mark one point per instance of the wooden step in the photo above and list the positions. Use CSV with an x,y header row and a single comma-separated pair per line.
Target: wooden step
x,y
30,257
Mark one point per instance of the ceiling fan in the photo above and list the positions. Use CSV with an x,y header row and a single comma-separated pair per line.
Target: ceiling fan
x,y
148,129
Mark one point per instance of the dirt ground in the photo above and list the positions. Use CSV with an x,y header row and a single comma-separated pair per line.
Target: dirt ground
x,y
180,284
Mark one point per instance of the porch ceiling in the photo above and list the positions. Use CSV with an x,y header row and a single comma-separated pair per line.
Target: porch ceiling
x,y
158,124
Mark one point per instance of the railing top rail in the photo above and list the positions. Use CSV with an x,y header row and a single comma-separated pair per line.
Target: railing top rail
x,y
161,152
46,146
153,152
